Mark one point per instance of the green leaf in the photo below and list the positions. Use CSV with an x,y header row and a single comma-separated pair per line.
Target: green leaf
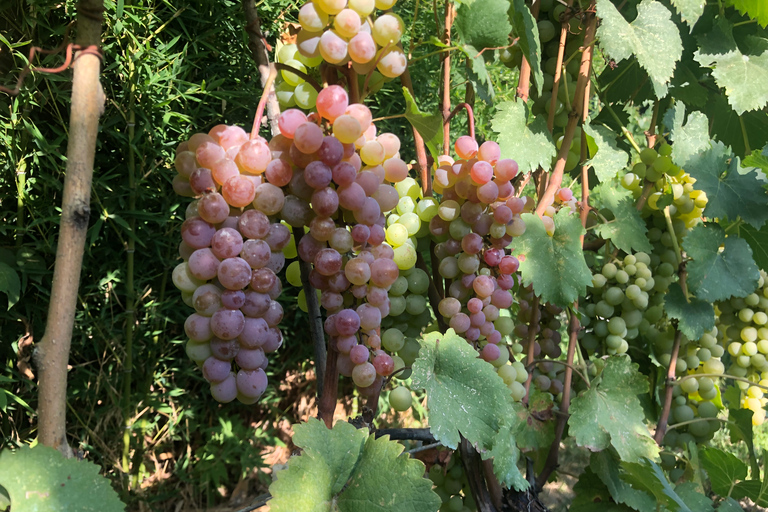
x,y
464,395
607,468
729,192
505,455
484,24
690,10
694,318
592,495
527,30
740,428
729,505
385,478
690,138
755,490
9,284
627,230
743,76
344,469
429,126
755,9
609,159
610,414
758,241
528,143
757,159
538,430
652,37
553,264
686,86
716,274
477,73
691,496
726,125
724,469
339,448
648,476
41,479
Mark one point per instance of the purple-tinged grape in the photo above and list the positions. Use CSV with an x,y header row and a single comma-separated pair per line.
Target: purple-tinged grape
x,y
197,233
490,352
256,304
216,370
274,314
383,272
201,181
331,301
364,374
279,172
331,151
256,253
226,390
318,175
227,324
262,280
345,365
226,243
254,334
234,273
253,224
351,197
325,202
207,299
233,299
459,323
226,350
251,383
198,327
328,262
203,264
383,364
370,317
251,359
344,344
274,340
359,354
347,322
308,247
269,199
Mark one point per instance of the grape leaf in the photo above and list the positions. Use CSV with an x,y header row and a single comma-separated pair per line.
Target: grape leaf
x,y
610,414
758,241
691,496
627,230
690,10
755,9
592,495
724,469
9,284
553,264
464,395
607,468
740,426
729,192
757,159
625,82
694,318
528,143
686,86
484,24
429,126
478,74
726,125
648,476
347,470
527,30
715,274
742,76
652,37
538,431
40,478
729,505
609,159
755,490
690,138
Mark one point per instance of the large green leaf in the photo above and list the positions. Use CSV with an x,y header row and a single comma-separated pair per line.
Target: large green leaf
x,y
718,274
9,284
730,193
592,495
505,455
610,414
344,469
40,479
694,316
690,138
648,476
757,159
755,9
755,490
686,85
725,470
729,505
758,241
606,467
484,24
553,264
691,495
538,430
726,125
526,141
527,31
743,76
429,126
690,10
609,159
652,37
626,230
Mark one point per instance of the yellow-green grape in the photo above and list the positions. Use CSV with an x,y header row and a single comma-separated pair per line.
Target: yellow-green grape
x,y
409,187
396,235
400,399
285,96
293,274
405,256
286,53
305,96
292,78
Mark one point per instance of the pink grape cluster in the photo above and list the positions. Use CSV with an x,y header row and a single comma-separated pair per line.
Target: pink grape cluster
x,y
342,32
232,255
477,220
339,185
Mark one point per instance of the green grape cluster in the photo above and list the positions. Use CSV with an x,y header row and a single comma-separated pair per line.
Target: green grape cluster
x,y
450,483
622,303
743,323
699,416
291,89
673,187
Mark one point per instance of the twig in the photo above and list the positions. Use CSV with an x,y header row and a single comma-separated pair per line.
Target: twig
x,y
532,327
524,82
470,116
446,106
421,150
650,133
52,354
661,428
263,101
327,405
647,189
258,47
424,448
569,366
564,24
257,503
311,81
473,469
406,434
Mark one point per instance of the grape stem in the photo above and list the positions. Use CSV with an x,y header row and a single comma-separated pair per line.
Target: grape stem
x,y
697,420
524,82
650,134
554,449
661,428
421,150
470,116
647,188
568,366
559,68
406,434
532,330
311,81
446,106
263,101
556,179
373,68
258,46
615,117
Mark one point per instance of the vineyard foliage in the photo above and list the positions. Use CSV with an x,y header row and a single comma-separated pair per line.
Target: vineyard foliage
x,y
582,266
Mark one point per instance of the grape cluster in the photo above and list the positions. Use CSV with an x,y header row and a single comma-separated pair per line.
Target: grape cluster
x,y
476,220
339,32
743,323
291,89
232,253
622,303
450,483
